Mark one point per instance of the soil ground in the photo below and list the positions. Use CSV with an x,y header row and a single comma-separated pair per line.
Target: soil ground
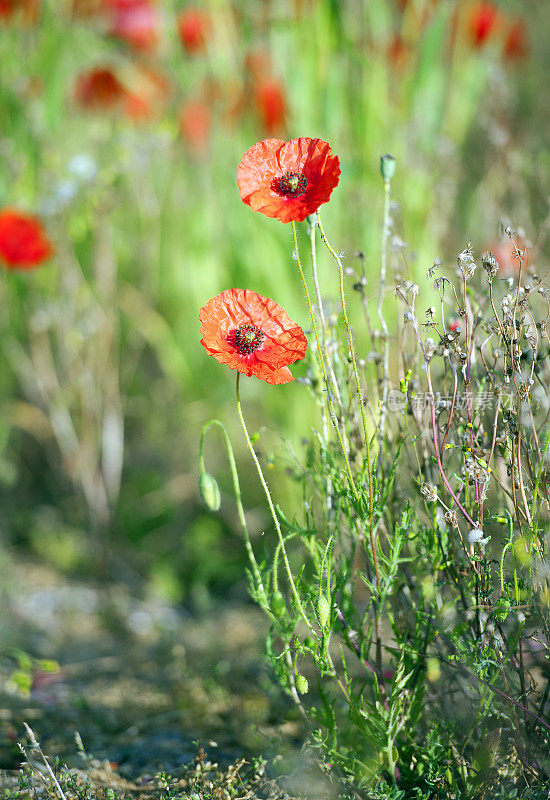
x,y
144,683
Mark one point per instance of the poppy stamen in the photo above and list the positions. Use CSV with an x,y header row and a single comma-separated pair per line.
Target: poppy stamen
x,y
248,338
291,184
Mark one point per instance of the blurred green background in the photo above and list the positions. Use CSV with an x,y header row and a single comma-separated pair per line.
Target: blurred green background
x,y
105,385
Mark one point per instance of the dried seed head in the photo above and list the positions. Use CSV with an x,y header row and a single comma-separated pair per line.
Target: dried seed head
x,y
429,492
466,263
429,346
451,518
490,265
475,536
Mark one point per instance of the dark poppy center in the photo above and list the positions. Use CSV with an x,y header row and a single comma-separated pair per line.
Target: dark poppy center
x,y
248,338
291,184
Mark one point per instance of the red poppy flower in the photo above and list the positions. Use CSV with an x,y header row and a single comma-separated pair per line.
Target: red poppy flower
x,y
516,44
23,241
288,180
193,29
135,22
251,334
271,104
484,18
98,90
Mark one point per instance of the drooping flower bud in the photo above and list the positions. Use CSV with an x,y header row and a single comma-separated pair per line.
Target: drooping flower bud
x,y
301,684
209,491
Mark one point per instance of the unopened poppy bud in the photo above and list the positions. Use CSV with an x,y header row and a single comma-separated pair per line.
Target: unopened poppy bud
x,y
323,611
301,684
278,605
210,491
387,167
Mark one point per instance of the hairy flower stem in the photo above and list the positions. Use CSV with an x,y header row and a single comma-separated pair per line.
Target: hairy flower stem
x,y
360,399
329,365
295,594
349,332
380,311
238,499
322,357
372,537
322,316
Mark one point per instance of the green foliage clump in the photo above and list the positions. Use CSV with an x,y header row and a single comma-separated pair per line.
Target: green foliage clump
x,y
409,599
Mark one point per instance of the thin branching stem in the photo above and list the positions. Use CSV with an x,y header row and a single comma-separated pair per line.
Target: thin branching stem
x,y
274,516
380,311
215,423
322,357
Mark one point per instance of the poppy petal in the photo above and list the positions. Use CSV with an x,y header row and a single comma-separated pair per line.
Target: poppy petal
x,y
281,341
266,164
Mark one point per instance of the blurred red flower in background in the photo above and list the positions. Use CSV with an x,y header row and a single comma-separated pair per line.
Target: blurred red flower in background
x,y
98,90
505,254
135,91
23,241
271,104
134,21
252,334
288,180
26,10
482,22
193,28
195,121
516,43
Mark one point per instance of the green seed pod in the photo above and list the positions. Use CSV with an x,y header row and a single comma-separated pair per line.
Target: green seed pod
x,y
323,611
209,491
278,604
387,167
301,684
